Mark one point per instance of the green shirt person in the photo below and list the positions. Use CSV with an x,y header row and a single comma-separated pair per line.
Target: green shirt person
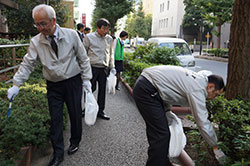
x,y
119,53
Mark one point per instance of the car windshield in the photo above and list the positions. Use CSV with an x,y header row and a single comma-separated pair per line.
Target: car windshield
x,y
184,50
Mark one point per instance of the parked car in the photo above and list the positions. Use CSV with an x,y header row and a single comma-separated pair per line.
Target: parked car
x,y
186,58
137,41
127,43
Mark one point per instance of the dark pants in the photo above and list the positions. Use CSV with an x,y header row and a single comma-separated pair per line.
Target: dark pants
x,y
70,92
100,76
151,108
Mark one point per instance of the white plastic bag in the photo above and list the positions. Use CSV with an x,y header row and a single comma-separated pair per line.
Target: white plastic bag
x,y
178,139
91,109
111,82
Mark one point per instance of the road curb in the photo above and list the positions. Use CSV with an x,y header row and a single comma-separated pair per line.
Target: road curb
x,y
220,59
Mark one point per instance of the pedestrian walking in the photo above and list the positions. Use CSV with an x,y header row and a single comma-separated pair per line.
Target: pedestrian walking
x,y
66,68
160,87
86,30
119,53
80,30
99,47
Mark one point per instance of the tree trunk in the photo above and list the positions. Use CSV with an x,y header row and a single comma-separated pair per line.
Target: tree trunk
x,y
219,36
238,80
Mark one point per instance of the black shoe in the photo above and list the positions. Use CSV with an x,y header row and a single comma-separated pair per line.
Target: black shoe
x,y
72,149
117,88
103,116
55,161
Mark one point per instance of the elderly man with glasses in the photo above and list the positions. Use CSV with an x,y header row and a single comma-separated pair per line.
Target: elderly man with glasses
x,y
66,68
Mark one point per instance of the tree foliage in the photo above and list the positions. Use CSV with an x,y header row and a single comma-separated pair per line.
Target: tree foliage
x,y
112,10
212,12
137,24
21,22
192,16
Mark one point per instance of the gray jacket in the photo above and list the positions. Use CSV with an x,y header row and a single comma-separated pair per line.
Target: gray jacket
x,y
100,50
180,86
72,58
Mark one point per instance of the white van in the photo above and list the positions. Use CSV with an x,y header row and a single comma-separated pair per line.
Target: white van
x,y
186,58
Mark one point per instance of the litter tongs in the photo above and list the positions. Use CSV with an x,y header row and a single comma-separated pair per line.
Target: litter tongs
x,y
9,110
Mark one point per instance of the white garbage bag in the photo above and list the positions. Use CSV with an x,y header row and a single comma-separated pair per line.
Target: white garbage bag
x,y
111,82
91,108
178,139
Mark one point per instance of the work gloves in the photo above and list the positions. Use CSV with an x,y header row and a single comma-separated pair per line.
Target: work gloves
x,y
113,71
87,85
12,92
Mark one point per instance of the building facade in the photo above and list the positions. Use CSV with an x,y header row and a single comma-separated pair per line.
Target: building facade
x,y
167,18
225,33
69,4
148,6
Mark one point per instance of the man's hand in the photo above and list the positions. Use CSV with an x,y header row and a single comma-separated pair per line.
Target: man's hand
x,y
12,92
171,117
219,155
113,71
87,85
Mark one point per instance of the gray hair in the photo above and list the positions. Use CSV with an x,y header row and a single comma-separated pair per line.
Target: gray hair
x,y
48,9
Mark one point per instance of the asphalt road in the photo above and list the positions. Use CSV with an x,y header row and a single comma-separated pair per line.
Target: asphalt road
x,y
215,67
121,141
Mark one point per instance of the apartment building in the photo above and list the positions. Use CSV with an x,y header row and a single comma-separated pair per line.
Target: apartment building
x,y
167,18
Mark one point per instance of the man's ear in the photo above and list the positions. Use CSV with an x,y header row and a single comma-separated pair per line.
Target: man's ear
x,y
54,21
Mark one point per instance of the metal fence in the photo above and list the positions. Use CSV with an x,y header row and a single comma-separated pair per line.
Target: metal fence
x,y
14,59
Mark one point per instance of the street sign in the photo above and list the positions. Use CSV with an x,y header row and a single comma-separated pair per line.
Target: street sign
x,y
208,35
84,19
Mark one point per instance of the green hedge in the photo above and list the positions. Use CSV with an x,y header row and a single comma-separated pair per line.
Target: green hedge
x,y
146,56
233,118
219,52
29,121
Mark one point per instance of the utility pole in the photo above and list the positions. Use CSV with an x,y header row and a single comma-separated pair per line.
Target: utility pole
x,y
201,31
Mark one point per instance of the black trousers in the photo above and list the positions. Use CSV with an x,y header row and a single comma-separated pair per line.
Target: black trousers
x,y
70,92
100,76
151,108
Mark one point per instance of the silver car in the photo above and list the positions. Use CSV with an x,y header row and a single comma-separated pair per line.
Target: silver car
x,y
186,58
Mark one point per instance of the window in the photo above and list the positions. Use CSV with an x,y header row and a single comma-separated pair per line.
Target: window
x,y
182,47
76,15
76,3
162,7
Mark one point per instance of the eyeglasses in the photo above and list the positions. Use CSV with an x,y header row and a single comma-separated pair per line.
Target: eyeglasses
x,y
41,24
105,28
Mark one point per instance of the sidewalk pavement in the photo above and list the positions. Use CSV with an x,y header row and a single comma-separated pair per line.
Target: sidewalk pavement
x,y
121,141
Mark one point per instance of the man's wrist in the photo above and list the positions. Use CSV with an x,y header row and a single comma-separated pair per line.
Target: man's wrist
x,y
215,148
15,85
